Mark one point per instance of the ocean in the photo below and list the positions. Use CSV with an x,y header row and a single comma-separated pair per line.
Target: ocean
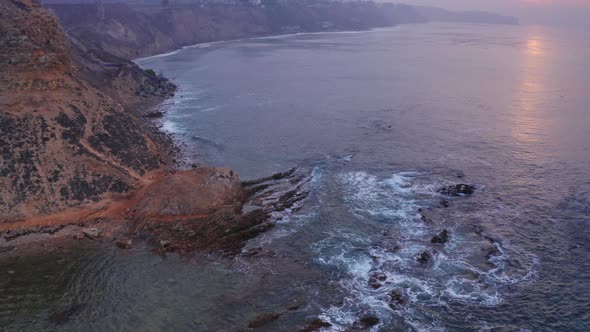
x,y
380,120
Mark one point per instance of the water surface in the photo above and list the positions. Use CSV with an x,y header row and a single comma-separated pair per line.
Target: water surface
x,y
381,120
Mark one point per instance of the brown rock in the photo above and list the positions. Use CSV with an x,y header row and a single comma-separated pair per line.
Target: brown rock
x,y
124,243
196,192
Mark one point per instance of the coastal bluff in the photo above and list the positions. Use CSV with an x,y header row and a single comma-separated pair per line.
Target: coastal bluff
x,y
64,143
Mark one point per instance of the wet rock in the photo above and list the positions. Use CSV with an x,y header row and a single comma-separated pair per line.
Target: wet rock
x,y
63,316
396,299
154,114
10,271
457,190
376,279
424,257
263,319
91,233
441,238
369,321
315,325
472,275
124,243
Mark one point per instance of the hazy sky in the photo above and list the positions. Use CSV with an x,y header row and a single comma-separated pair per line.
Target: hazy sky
x,y
568,12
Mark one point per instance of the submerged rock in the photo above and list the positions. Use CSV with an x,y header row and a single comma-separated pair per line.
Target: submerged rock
x,y
63,316
444,203
396,299
457,190
263,319
441,238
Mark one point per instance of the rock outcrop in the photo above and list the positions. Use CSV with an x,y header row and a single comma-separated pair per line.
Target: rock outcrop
x,y
210,209
72,155
63,143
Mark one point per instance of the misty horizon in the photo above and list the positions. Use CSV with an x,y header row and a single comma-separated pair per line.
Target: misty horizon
x,y
541,12
572,13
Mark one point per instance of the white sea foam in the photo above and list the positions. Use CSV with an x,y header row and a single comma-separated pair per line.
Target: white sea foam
x,y
171,127
447,278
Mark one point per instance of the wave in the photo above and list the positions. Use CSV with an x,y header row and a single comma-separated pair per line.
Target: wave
x,y
381,275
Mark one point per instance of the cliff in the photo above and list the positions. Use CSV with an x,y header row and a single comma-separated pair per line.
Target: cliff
x,y
63,142
132,32
434,14
73,157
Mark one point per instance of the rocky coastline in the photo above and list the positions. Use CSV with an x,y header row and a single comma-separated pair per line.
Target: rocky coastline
x,y
102,170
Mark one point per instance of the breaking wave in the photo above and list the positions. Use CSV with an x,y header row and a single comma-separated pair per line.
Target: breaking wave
x,y
381,275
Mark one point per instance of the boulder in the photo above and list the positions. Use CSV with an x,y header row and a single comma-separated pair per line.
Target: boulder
x,y
396,299
91,233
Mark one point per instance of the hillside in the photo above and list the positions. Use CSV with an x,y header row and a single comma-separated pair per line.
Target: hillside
x,y
136,31
72,156
64,143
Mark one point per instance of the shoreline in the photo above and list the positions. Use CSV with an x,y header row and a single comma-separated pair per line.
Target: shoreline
x,y
270,36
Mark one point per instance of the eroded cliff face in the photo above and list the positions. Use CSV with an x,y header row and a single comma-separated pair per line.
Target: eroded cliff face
x,y
136,31
63,143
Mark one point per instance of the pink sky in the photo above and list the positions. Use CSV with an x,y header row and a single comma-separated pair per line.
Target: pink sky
x,y
552,12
